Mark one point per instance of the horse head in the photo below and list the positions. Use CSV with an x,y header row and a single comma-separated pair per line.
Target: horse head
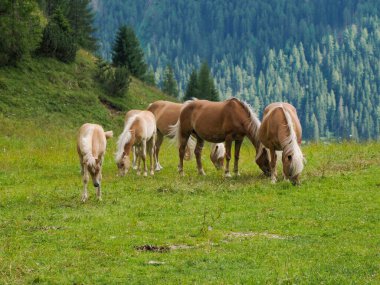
x,y
123,164
263,160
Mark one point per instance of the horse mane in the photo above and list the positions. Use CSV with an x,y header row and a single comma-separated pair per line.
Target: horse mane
x,y
291,146
86,147
124,138
254,122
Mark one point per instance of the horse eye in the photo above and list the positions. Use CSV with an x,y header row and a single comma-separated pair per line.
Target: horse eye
x,y
289,157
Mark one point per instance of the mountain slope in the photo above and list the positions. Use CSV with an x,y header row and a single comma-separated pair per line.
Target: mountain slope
x,y
46,91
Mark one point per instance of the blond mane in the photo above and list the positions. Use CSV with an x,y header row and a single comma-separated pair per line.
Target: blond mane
x,y
254,122
291,147
124,138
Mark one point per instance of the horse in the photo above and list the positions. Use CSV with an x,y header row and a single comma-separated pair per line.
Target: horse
x,y
139,131
217,154
227,121
167,114
281,130
91,147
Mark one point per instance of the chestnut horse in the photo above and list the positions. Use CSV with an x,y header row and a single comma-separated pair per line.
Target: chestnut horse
x,y
167,114
281,130
139,131
91,147
227,121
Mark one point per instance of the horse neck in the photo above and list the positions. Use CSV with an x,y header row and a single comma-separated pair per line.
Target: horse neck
x,y
130,143
252,134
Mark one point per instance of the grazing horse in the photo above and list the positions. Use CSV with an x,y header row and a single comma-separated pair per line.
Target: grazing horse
x,y
228,121
91,147
167,114
281,130
139,131
217,154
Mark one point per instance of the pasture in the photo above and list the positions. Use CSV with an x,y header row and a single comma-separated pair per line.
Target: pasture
x,y
168,229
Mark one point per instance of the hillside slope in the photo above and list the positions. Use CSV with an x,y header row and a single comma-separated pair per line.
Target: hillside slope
x,y
47,92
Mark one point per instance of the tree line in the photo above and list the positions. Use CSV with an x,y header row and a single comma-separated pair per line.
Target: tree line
x,y
319,55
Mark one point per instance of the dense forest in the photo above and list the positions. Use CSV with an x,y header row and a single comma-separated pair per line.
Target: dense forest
x,y
322,56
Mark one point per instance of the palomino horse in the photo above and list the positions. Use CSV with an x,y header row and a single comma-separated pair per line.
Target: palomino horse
x,y
281,130
230,120
139,131
91,147
167,114
218,151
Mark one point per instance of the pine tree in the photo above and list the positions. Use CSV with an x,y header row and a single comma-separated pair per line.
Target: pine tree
x,y
58,40
127,52
206,84
192,87
20,29
81,19
170,84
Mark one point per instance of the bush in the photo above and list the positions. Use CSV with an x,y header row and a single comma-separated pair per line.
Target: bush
x,y
58,40
115,80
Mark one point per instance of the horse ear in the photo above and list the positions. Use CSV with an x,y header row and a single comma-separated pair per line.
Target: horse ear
x,y
289,157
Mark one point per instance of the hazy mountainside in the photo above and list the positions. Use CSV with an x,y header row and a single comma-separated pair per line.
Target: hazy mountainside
x,y
51,93
322,56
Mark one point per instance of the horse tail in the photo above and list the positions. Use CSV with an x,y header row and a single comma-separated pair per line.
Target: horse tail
x,y
174,132
109,134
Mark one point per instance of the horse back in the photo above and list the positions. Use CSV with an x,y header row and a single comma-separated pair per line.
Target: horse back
x,y
91,138
274,127
144,125
166,114
212,121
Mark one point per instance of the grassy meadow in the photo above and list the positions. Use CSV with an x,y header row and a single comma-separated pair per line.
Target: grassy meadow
x,y
171,230
168,229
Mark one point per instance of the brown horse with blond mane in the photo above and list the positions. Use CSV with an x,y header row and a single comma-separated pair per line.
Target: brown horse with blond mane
x,y
228,121
281,130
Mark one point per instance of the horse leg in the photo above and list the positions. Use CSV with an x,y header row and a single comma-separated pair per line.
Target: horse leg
x,y
134,157
138,157
81,165
228,145
159,141
198,155
181,151
151,147
273,168
143,156
236,161
85,182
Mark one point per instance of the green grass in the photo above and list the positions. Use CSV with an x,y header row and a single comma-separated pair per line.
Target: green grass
x,y
325,232
242,230
46,91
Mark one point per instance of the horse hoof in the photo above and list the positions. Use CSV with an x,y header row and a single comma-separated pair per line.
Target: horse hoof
x,y
273,181
227,175
237,173
145,174
138,173
202,172
84,199
152,173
